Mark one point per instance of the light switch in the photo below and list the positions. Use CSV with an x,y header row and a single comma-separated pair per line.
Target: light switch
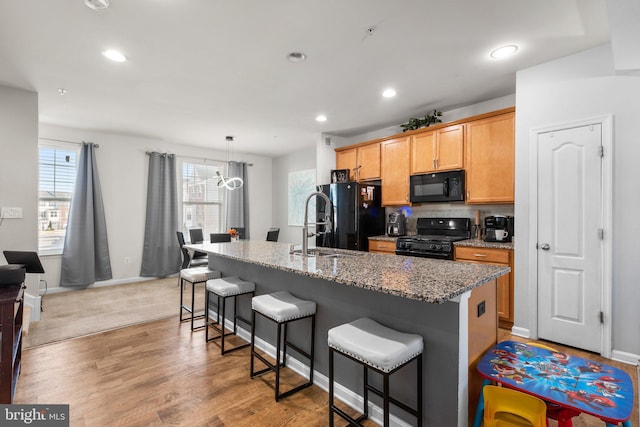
x,y
8,213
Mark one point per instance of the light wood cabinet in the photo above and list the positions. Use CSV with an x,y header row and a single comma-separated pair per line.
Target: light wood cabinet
x,y
395,154
347,159
363,161
438,150
505,282
382,246
490,159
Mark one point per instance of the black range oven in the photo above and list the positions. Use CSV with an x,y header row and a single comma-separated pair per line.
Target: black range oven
x,y
435,238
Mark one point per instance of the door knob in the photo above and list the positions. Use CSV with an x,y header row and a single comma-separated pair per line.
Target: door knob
x,y
545,247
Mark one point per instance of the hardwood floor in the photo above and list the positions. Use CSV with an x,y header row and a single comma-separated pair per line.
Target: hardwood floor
x,y
160,373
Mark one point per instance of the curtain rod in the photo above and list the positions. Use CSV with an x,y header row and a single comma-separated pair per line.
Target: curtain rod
x,y
70,142
198,158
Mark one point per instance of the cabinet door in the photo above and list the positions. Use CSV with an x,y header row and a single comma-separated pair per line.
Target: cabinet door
x,y
368,159
346,159
505,282
423,152
450,155
490,158
395,171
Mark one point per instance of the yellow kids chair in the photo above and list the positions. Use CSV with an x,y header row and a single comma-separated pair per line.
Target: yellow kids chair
x,y
505,407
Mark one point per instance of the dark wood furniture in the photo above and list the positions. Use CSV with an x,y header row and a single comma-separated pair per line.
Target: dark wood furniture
x,y
11,311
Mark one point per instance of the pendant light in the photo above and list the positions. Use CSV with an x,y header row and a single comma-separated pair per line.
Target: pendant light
x,y
229,183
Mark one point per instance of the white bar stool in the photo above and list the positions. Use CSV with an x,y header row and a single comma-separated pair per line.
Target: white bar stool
x,y
223,288
282,308
382,350
194,275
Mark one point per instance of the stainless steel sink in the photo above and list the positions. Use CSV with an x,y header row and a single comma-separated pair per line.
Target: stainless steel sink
x,y
325,253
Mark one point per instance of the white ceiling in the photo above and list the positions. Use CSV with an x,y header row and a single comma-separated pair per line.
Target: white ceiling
x,y
199,70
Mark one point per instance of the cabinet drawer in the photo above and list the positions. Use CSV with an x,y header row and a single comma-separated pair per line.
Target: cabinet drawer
x,y
499,256
382,246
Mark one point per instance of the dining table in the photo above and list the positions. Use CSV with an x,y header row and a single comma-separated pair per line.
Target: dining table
x,y
568,384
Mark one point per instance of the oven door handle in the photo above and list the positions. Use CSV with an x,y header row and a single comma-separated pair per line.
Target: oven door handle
x,y
445,186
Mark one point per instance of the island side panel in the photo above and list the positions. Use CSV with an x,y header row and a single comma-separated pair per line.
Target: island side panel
x,y
438,324
483,334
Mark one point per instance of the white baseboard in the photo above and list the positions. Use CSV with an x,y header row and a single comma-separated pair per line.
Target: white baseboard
x,y
35,304
111,282
623,356
521,332
349,397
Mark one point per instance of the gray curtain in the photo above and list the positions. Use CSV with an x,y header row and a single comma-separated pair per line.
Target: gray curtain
x,y
85,257
161,251
238,200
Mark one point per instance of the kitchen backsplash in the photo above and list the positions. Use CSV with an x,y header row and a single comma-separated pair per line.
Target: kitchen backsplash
x,y
449,210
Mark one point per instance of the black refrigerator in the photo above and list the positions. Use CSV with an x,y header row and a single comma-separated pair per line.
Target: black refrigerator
x,y
357,215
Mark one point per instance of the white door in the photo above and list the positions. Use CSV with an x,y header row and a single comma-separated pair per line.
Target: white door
x,y
570,260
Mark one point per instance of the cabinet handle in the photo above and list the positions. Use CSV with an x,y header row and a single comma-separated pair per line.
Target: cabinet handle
x,y
382,246
437,163
480,255
433,163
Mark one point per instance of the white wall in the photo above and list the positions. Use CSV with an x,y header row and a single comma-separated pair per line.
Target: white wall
x,y
447,116
19,172
123,165
583,86
293,162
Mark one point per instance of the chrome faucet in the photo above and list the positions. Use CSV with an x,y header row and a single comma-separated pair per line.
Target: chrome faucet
x,y
326,223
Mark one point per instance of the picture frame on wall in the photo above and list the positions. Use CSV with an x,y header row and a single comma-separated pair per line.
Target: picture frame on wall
x,y
339,175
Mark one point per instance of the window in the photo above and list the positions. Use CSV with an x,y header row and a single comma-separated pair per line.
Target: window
x,y
202,200
57,180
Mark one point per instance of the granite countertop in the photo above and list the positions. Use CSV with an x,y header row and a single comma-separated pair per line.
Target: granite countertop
x,y
424,279
475,243
384,238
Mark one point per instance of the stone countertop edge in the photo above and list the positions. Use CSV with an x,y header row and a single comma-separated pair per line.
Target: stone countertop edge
x,y
423,279
384,238
475,243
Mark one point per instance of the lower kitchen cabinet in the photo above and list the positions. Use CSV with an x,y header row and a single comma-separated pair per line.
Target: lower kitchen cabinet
x,y
382,246
505,283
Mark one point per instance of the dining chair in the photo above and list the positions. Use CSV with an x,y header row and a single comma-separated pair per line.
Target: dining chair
x,y
196,235
220,237
187,261
504,406
272,234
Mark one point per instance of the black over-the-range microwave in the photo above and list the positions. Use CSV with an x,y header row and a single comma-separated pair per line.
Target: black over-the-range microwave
x,y
437,187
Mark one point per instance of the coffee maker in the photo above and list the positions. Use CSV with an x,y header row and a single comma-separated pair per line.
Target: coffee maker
x,y
397,224
498,228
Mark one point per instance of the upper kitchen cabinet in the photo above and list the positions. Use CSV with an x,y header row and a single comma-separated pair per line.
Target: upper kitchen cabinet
x,y
347,159
490,158
363,161
438,150
395,155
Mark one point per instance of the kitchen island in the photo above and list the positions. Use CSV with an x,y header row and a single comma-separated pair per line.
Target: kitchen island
x,y
451,305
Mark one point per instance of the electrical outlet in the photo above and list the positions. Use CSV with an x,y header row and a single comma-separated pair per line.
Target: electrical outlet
x,y
481,308
12,213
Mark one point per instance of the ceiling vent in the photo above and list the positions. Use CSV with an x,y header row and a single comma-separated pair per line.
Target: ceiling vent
x,y
97,4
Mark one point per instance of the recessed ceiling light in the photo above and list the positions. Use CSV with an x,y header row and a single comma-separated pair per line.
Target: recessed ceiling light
x,y
62,91
321,118
504,51
389,93
296,57
97,4
114,55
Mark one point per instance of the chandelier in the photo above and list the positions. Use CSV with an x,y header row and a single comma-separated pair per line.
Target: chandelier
x,y
228,182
